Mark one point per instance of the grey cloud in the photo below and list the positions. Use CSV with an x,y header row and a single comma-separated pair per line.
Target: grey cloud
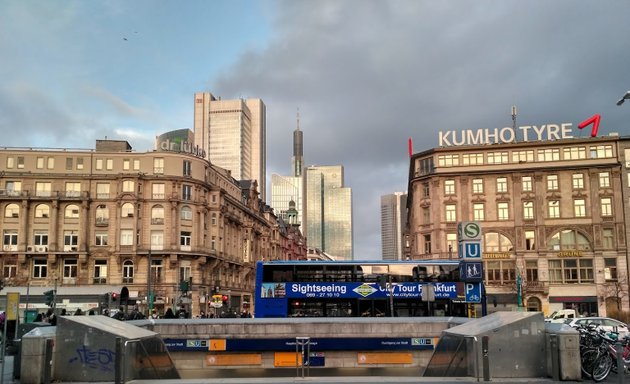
x,y
369,74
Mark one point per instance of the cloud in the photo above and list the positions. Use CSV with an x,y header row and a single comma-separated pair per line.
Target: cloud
x,y
367,75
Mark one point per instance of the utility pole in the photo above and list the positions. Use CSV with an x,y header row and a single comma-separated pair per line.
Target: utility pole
x,y
149,293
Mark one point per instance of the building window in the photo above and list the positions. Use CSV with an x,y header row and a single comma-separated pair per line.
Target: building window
x,y
496,242
42,189
554,209
503,211
451,213
502,186
448,160
128,186
478,212
213,220
127,210
550,154
128,272
213,243
578,181
20,162
102,190
102,215
71,212
568,239
10,162
498,158
99,164
472,159
157,191
427,244
126,237
50,163
70,239
522,156
426,191
73,189
606,205
157,240
42,211
10,239
571,271
500,272
477,186
12,210
70,268
157,215
136,164
451,244
608,238
186,213
610,269
101,239
574,153
79,163
109,164
186,192
40,269
100,272
156,270
187,171
185,239
158,165
13,188
10,269
531,271
604,180
40,238
579,208
126,164
530,240
528,210
552,182
449,187
185,272
69,163
39,163
601,151
526,181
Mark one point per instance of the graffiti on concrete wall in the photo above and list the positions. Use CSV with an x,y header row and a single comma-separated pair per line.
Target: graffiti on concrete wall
x,y
101,359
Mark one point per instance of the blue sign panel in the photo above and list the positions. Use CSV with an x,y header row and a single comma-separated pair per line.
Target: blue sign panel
x,y
472,292
471,271
445,290
469,250
316,344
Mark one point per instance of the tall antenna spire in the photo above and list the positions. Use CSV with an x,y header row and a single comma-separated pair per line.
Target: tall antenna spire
x,y
298,118
298,148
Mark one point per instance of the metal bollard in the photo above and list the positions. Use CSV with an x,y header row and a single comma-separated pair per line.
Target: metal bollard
x,y
486,358
48,361
621,369
555,357
118,362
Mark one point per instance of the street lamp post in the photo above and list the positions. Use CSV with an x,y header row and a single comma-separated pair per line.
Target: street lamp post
x,y
624,98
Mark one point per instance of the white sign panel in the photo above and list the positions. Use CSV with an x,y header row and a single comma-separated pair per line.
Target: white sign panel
x,y
468,230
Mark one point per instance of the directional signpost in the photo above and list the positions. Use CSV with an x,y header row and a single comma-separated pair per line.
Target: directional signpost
x,y
470,264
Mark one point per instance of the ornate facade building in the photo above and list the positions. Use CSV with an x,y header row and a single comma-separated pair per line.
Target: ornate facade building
x,y
167,227
552,213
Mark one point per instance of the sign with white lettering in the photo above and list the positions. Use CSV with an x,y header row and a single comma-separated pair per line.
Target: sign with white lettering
x,y
486,136
473,292
469,250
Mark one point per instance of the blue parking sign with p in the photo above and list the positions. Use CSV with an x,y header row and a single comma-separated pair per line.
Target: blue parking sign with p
x,y
469,250
473,292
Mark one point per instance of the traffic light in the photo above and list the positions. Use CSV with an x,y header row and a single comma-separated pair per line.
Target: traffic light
x,y
114,297
49,298
225,299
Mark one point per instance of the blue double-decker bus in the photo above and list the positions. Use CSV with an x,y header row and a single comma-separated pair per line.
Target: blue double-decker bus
x,y
359,289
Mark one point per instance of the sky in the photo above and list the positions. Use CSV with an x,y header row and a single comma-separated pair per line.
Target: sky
x,y
366,75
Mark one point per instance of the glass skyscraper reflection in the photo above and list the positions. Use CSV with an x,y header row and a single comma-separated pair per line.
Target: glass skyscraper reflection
x,y
329,211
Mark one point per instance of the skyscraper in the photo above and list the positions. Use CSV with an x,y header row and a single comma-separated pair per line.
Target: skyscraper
x,y
287,189
329,211
393,219
233,134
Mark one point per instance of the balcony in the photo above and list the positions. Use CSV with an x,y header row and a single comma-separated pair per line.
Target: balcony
x,y
537,286
102,221
157,220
